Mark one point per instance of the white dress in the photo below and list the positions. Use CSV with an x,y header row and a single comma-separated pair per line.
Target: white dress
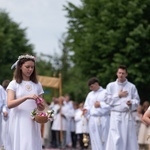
x,y
24,133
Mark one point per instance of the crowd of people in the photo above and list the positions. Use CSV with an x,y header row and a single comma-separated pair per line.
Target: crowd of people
x,y
114,115
110,118
68,127
79,127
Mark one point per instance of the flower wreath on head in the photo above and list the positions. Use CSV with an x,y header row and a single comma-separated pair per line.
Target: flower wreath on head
x,y
27,56
49,114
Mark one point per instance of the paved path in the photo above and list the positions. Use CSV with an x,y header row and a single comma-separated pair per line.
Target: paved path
x,y
61,149
65,149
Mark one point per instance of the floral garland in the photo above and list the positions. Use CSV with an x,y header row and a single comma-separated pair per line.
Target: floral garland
x,y
26,56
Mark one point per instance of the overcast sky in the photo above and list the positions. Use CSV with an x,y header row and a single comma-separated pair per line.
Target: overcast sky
x,y
44,19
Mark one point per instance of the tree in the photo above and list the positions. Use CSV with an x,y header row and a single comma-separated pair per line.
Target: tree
x,y
103,34
13,42
73,82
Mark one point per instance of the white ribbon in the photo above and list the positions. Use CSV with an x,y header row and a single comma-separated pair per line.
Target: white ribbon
x,y
14,65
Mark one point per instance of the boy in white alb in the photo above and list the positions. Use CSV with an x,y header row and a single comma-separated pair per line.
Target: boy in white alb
x,y
123,98
81,126
98,114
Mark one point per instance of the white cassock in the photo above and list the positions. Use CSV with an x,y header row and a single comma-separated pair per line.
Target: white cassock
x,y
2,106
69,106
59,122
98,118
5,122
80,122
122,132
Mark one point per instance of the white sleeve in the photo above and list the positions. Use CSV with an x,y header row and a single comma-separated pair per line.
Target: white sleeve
x,y
12,85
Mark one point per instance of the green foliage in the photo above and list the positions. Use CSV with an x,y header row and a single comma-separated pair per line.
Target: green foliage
x,y
76,85
13,42
44,67
103,34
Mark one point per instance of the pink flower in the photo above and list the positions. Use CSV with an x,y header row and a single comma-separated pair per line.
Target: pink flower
x,y
39,100
42,114
49,114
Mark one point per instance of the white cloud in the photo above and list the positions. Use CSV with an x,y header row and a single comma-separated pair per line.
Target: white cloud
x,y
44,19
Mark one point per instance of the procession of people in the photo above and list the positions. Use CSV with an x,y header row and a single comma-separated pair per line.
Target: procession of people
x,y
114,115
110,118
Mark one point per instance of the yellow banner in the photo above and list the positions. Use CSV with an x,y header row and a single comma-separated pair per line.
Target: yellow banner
x,y
51,82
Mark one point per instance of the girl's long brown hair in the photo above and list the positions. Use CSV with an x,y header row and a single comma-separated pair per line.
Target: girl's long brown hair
x,y
18,72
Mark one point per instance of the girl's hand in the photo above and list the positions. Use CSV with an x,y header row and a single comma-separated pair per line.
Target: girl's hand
x,y
33,96
40,103
39,100
40,106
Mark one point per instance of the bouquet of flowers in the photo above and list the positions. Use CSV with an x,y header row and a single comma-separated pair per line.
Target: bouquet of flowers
x,y
42,117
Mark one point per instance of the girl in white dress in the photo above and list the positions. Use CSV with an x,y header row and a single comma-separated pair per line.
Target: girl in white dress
x,y
22,93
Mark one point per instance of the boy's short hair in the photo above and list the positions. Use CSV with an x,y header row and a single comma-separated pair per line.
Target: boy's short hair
x,y
123,67
92,81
